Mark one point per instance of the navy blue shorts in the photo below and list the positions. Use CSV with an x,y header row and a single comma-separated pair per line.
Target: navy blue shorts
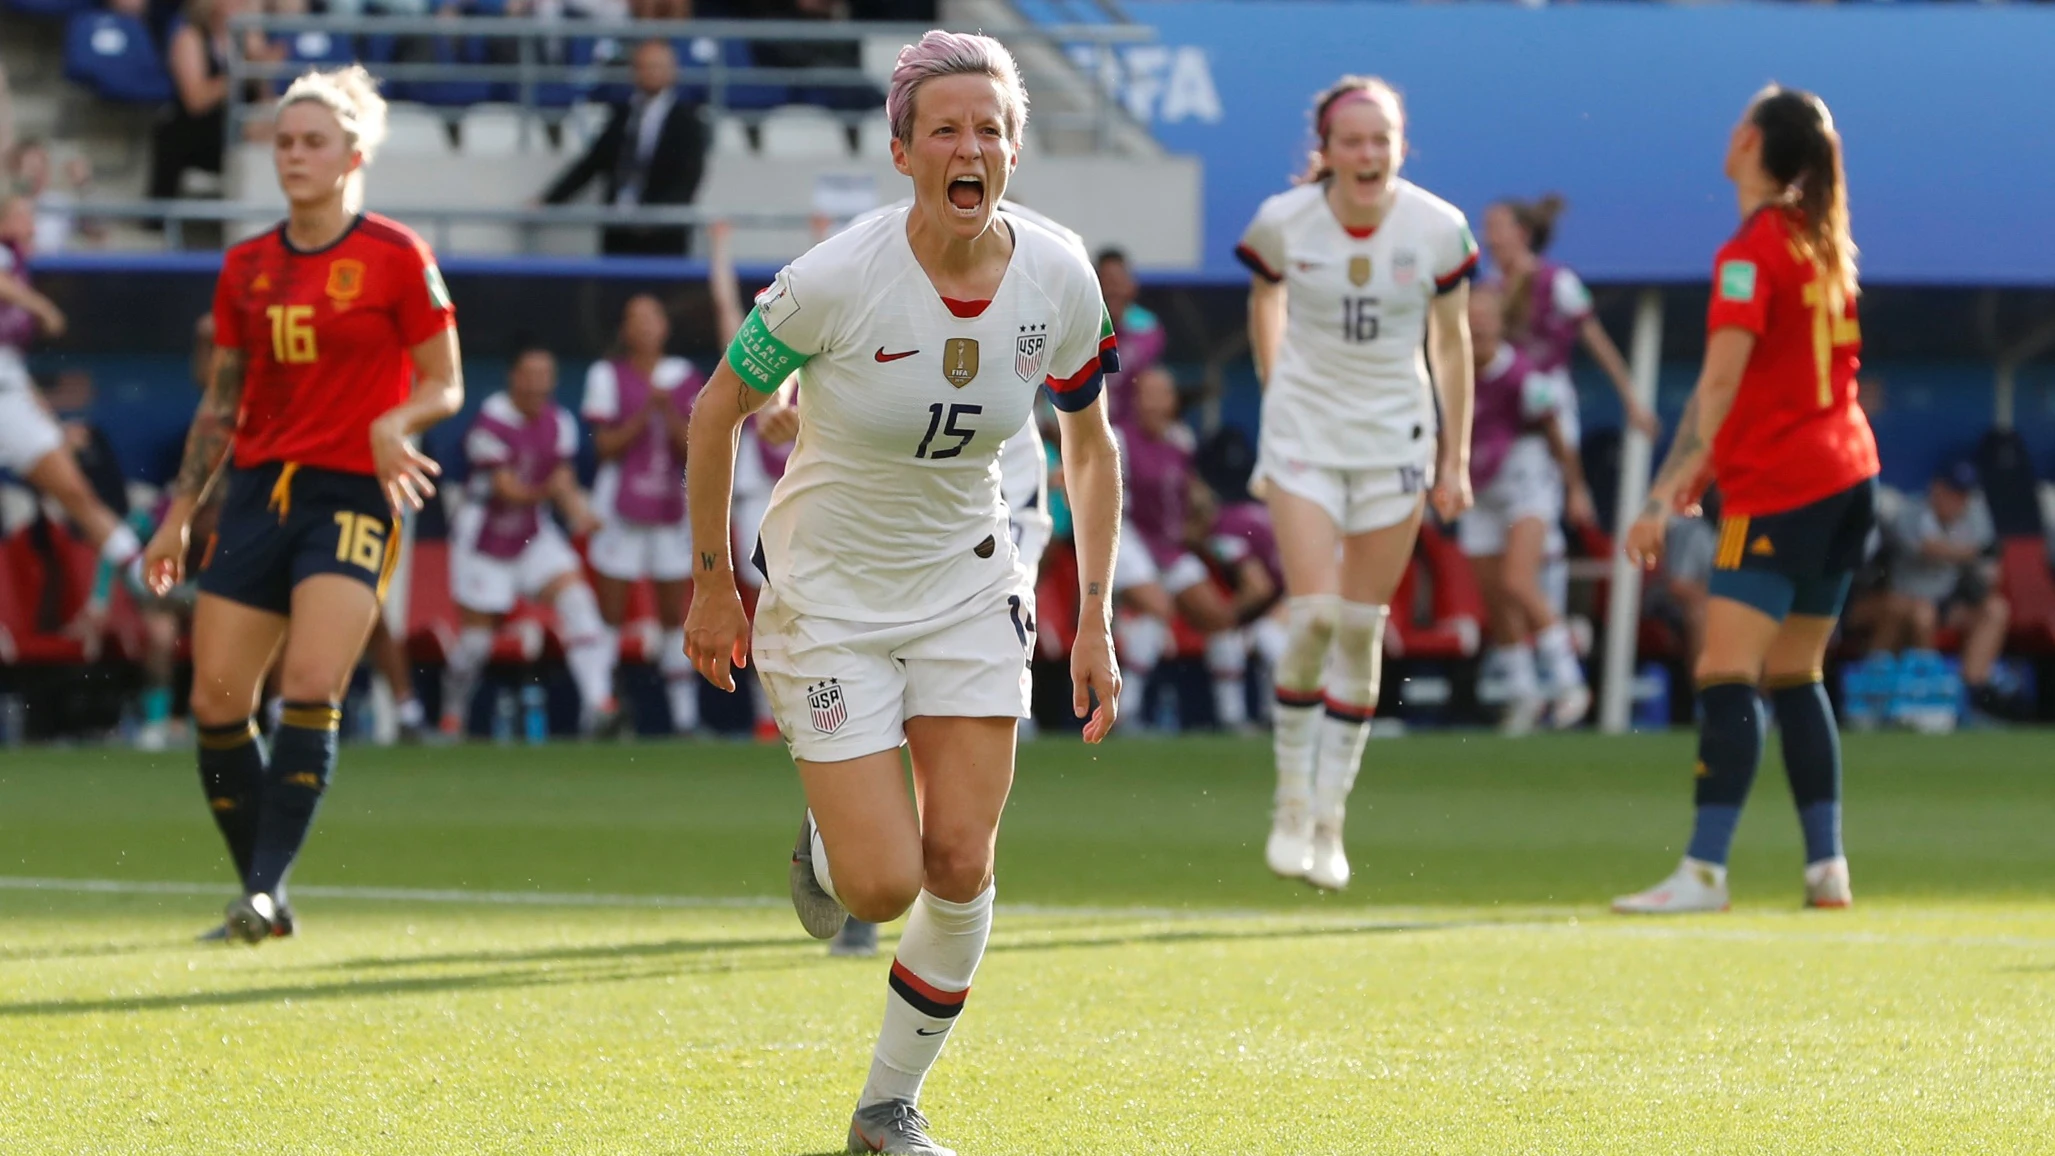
x,y
1800,561
282,524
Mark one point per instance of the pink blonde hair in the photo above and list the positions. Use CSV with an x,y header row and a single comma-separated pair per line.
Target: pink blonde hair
x,y
942,53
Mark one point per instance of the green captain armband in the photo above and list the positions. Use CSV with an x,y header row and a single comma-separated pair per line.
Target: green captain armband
x,y
761,360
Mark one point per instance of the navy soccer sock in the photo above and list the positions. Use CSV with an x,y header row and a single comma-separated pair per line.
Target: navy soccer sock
x,y
232,774
302,759
1729,747
1812,761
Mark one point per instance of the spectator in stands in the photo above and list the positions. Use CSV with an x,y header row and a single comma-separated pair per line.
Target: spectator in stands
x,y
190,134
1942,574
57,222
652,152
1141,335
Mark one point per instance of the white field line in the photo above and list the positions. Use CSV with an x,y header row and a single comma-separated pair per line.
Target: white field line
x,y
1555,919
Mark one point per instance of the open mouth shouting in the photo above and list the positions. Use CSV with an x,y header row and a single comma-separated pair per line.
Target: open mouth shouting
x,y
967,194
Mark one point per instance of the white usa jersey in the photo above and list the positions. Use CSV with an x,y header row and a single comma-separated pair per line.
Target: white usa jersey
x,y
890,509
1349,387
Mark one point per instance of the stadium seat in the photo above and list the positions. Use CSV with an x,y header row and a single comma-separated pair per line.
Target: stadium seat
x,y
748,97
113,55
24,578
1453,628
584,122
410,128
2025,581
49,9
494,130
731,137
874,138
316,47
802,133
453,93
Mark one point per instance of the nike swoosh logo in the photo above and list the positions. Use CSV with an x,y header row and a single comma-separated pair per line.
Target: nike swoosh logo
x,y
884,357
873,1145
926,1032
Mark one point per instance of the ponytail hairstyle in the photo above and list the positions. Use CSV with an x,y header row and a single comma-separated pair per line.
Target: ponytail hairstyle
x,y
1348,90
1801,151
1536,218
352,95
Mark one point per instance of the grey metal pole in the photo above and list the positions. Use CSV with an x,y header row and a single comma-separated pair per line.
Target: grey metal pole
x,y
1623,608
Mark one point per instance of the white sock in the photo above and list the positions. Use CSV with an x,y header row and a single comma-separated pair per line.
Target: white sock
x,y
820,863
1143,642
1294,737
680,681
1558,658
1354,670
938,954
1309,626
120,546
591,648
460,673
1521,681
409,710
1227,657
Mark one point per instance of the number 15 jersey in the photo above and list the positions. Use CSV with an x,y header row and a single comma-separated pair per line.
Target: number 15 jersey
x,y
890,508
1348,387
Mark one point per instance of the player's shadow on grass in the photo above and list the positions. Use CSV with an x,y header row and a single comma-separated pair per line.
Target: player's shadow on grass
x,y
638,950
33,954
1268,933
510,978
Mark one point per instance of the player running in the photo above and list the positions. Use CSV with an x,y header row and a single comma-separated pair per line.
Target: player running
x,y
897,611
1774,422
504,547
31,444
335,342
1354,271
1518,459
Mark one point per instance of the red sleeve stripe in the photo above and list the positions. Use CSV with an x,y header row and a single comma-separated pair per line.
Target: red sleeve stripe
x,y
1256,264
1457,276
1078,391
1075,381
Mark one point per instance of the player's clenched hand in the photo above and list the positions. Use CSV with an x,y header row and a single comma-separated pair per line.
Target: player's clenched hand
x,y
164,559
777,424
1645,537
717,631
1093,671
1451,494
404,473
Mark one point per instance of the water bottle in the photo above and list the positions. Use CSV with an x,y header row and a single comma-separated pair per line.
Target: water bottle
x,y
535,713
505,712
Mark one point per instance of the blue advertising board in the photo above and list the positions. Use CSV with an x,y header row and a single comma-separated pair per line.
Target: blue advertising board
x,y
1948,115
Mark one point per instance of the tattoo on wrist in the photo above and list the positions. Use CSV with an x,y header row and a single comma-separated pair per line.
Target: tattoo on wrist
x,y
706,560
1092,589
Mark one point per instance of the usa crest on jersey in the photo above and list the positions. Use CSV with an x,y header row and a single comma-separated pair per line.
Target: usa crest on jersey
x,y
829,709
1030,351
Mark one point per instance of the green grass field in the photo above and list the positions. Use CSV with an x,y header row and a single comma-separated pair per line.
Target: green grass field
x,y
586,949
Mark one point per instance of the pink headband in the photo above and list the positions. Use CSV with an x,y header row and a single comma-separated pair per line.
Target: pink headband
x,y
1352,96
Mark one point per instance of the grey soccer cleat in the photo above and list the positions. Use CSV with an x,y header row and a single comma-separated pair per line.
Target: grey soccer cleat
x,y
856,938
251,918
819,912
893,1126
282,927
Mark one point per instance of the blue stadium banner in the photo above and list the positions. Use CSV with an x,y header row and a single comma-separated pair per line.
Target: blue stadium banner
x,y
1625,109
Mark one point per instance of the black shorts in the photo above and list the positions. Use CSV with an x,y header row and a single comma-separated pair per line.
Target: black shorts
x,y
1799,561
282,524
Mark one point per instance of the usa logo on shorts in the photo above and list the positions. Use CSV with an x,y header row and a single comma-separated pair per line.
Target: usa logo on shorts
x,y
824,699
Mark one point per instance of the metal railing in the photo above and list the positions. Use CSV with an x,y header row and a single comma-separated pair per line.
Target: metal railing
x,y
701,67
436,222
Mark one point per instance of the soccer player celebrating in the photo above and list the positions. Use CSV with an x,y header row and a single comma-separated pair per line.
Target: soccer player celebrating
x,y
1353,271
1518,458
503,546
1773,421
335,342
897,611
31,444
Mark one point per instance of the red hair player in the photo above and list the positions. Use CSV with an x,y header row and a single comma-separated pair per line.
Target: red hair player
x,y
335,342
1774,421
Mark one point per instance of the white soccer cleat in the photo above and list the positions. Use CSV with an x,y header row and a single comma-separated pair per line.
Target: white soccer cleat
x,y
1695,886
1330,868
1521,715
1826,884
1289,850
1570,707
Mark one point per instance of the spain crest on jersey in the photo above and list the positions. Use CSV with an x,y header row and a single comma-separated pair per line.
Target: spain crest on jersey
x,y
1030,351
345,281
960,360
824,700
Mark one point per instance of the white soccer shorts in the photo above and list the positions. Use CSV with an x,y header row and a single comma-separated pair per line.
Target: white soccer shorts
x,y
491,585
1132,564
1031,533
1358,501
841,690
27,435
1527,486
630,551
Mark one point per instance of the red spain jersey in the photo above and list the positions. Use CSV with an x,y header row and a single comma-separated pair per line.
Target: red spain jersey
x,y
326,338
1795,434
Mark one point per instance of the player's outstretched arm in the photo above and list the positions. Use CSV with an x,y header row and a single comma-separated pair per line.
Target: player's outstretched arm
x,y
716,629
1455,375
207,442
1091,470
1600,345
404,472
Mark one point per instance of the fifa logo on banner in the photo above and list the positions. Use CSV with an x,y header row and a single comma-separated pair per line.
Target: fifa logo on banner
x,y
830,711
1030,351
